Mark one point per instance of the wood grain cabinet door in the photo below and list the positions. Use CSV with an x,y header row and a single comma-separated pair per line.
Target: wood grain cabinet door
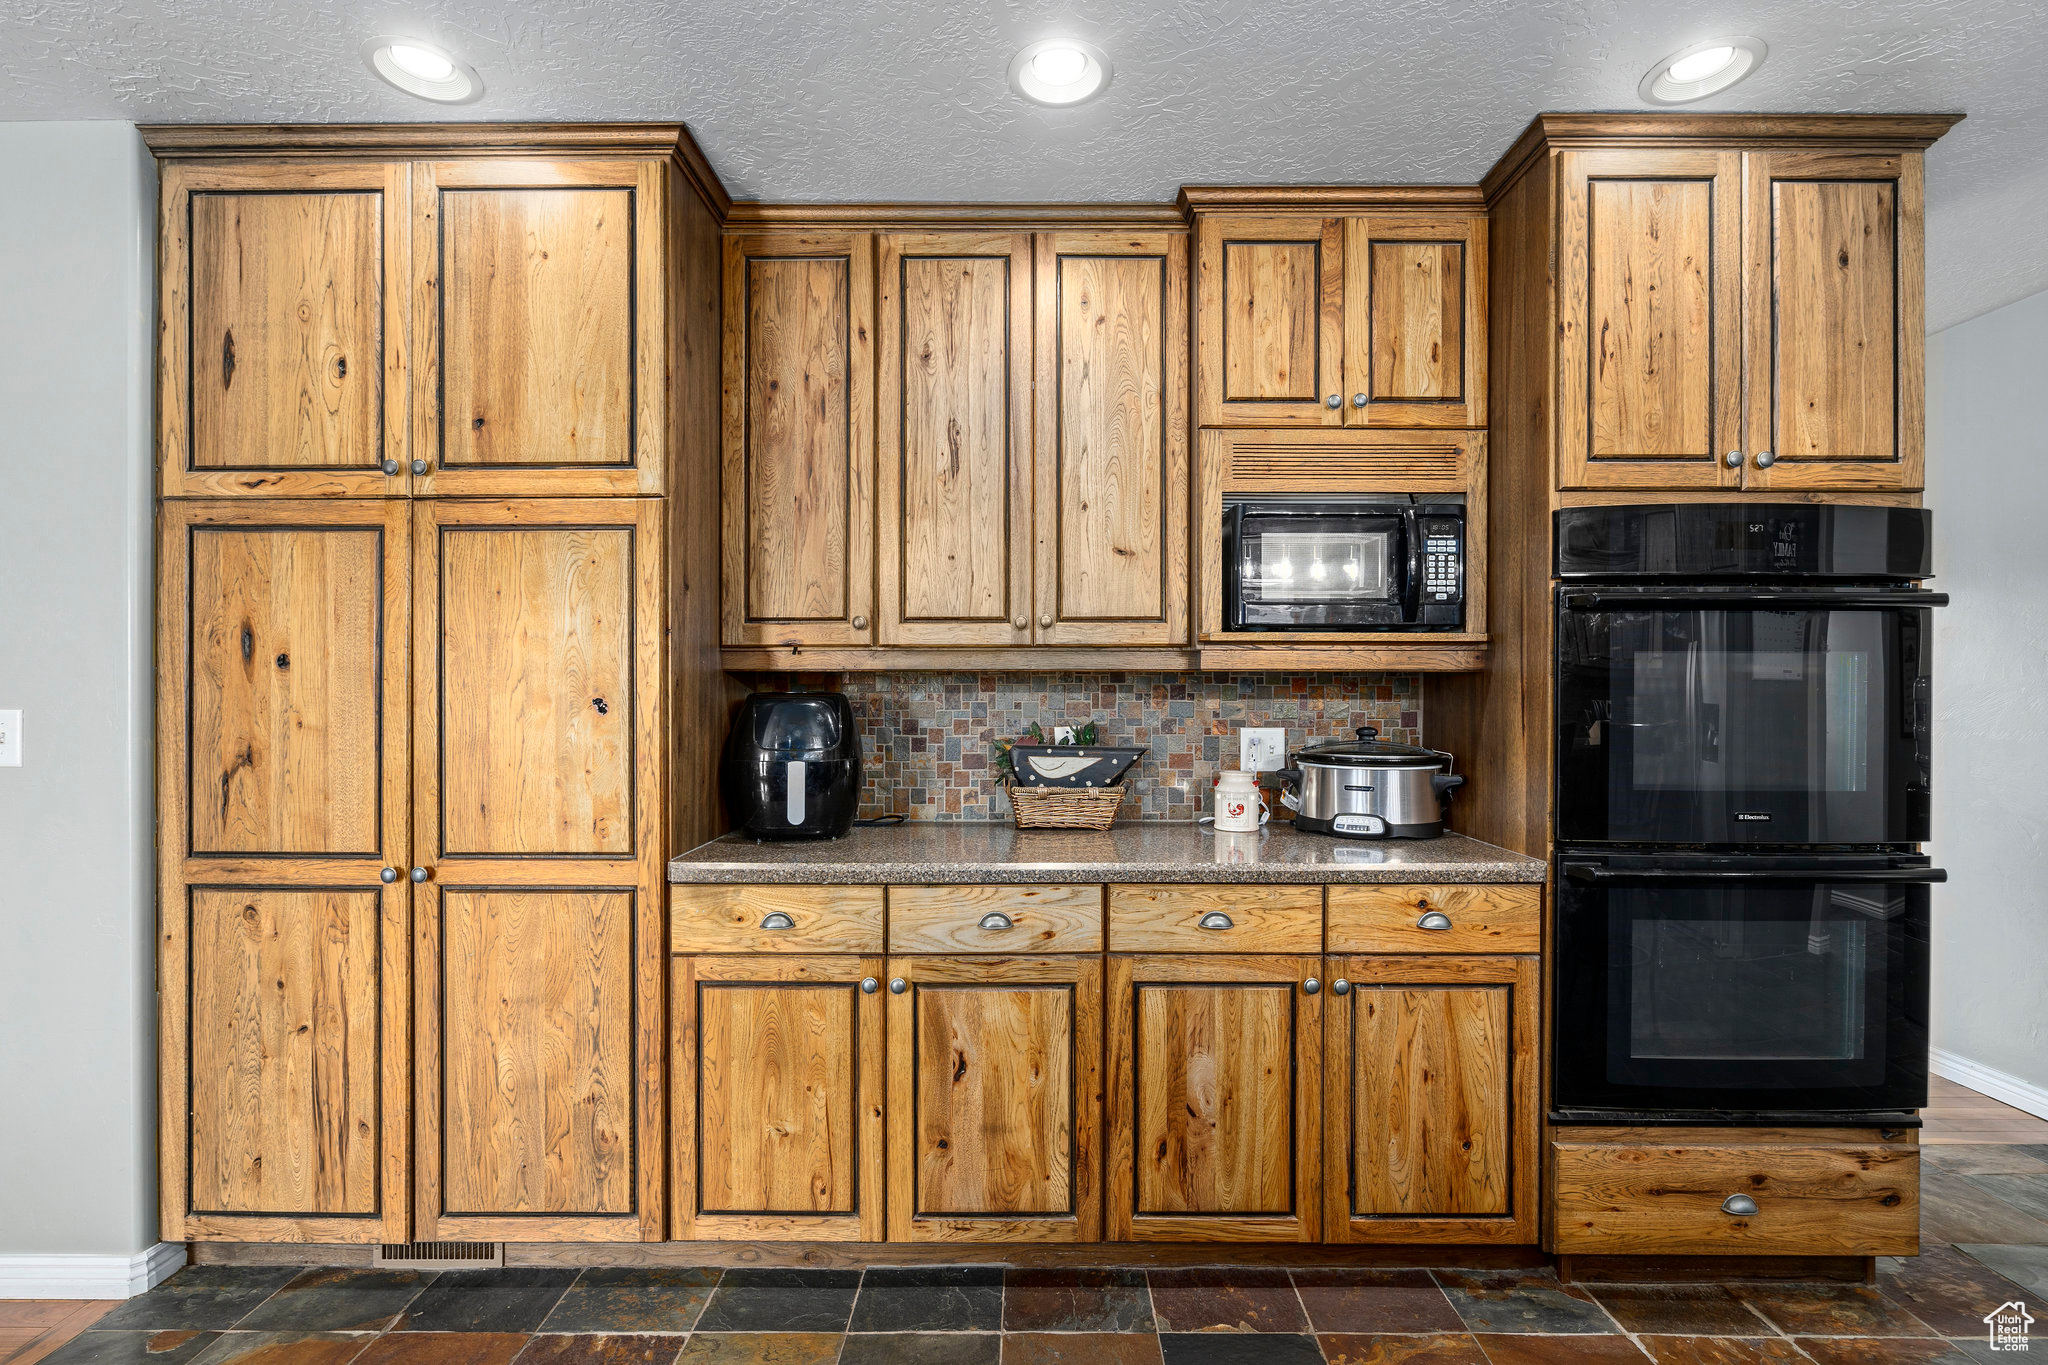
x,y
539,300
539,922
1111,466
1214,1093
1835,319
1433,1112
994,1099
799,465
281,363
955,439
1415,321
1269,309
282,785
778,1098
1649,339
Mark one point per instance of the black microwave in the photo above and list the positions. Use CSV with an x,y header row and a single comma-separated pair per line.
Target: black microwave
x,y
1343,564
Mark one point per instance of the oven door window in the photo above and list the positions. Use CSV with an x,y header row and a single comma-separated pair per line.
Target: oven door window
x,y
1801,995
1322,570
1741,726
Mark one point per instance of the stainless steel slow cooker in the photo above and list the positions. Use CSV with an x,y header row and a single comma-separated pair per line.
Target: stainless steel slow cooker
x,y
1369,789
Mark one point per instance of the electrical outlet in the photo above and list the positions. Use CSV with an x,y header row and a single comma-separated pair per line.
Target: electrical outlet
x,y
10,739
1262,749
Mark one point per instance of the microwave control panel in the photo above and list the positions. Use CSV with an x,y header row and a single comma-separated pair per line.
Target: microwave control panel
x,y
1442,596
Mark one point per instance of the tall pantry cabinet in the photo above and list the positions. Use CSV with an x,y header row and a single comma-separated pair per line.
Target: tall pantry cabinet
x,y
437,578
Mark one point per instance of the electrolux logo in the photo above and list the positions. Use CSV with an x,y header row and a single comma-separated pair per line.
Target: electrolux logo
x,y
1752,817
2007,1327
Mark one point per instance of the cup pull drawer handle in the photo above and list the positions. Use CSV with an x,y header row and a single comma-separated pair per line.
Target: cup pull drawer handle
x,y
1215,919
775,919
1435,920
1740,1205
996,919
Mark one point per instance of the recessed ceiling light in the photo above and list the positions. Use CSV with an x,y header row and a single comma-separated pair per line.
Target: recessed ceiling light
x,y
1704,69
1060,71
422,69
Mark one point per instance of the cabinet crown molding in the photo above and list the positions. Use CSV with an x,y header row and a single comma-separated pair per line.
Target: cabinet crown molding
x,y
885,217
1738,132
1326,199
443,141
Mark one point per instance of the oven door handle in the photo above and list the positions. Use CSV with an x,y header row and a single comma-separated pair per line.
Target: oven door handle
x,y
1767,601
1581,872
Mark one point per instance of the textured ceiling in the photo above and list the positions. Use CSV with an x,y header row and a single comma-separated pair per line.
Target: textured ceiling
x,y
852,99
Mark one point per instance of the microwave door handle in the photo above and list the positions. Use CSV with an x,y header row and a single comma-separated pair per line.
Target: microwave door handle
x,y
1768,601
1411,589
1911,875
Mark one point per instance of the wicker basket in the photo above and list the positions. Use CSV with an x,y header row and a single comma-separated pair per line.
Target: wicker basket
x,y
1066,807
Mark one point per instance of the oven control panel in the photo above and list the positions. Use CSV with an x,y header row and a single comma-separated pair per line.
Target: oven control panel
x,y
1442,592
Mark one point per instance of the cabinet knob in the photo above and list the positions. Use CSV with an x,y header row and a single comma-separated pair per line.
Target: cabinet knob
x,y
1733,459
1311,985
868,985
391,466
996,919
1764,459
1341,986
1739,1205
776,919
897,985
1436,921
1046,620
859,623
1335,400
388,875
419,874
1215,919
1357,400
1022,623
419,466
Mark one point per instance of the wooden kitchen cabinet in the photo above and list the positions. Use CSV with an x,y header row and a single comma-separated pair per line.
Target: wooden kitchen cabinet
x,y
536,812
1434,1114
1215,1092
778,1098
283,769
799,434
955,439
994,1099
1331,319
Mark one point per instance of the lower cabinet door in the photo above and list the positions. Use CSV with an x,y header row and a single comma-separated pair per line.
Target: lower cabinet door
x,y
776,1104
1214,1095
1432,1122
994,1099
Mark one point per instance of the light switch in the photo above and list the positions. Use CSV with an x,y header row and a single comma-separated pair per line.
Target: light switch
x,y
1262,749
10,739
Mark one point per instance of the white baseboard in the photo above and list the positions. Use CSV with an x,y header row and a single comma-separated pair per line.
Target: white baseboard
x,y
89,1277
1984,1080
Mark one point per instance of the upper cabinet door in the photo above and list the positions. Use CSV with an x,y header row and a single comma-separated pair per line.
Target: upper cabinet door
x,y
541,309
281,357
1270,303
1649,335
955,449
1112,439
1415,321
799,480
1835,321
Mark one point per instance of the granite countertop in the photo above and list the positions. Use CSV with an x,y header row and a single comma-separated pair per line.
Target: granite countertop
x,y
937,852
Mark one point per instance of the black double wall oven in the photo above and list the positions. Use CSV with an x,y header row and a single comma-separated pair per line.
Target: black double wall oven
x,y
1742,716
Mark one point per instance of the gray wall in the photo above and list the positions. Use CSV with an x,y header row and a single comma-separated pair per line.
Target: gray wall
x,y
1987,481
77,900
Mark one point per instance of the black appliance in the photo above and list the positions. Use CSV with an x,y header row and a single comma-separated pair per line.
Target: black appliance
x,y
1343,564
792,766
1742,724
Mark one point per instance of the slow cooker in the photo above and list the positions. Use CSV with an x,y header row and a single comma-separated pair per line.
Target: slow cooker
x,y
1368,789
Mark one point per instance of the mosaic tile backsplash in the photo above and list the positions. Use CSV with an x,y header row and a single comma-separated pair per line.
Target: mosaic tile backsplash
x,y
927,736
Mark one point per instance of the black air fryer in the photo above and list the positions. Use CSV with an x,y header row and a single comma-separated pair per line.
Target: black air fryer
x,y
792,766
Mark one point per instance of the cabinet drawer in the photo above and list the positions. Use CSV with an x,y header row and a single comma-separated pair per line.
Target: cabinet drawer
x,y
749,919
1818,1199
1483,919
1253,919
995,919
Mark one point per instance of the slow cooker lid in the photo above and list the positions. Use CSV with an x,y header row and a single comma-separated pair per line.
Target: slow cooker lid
x,y
1369,751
